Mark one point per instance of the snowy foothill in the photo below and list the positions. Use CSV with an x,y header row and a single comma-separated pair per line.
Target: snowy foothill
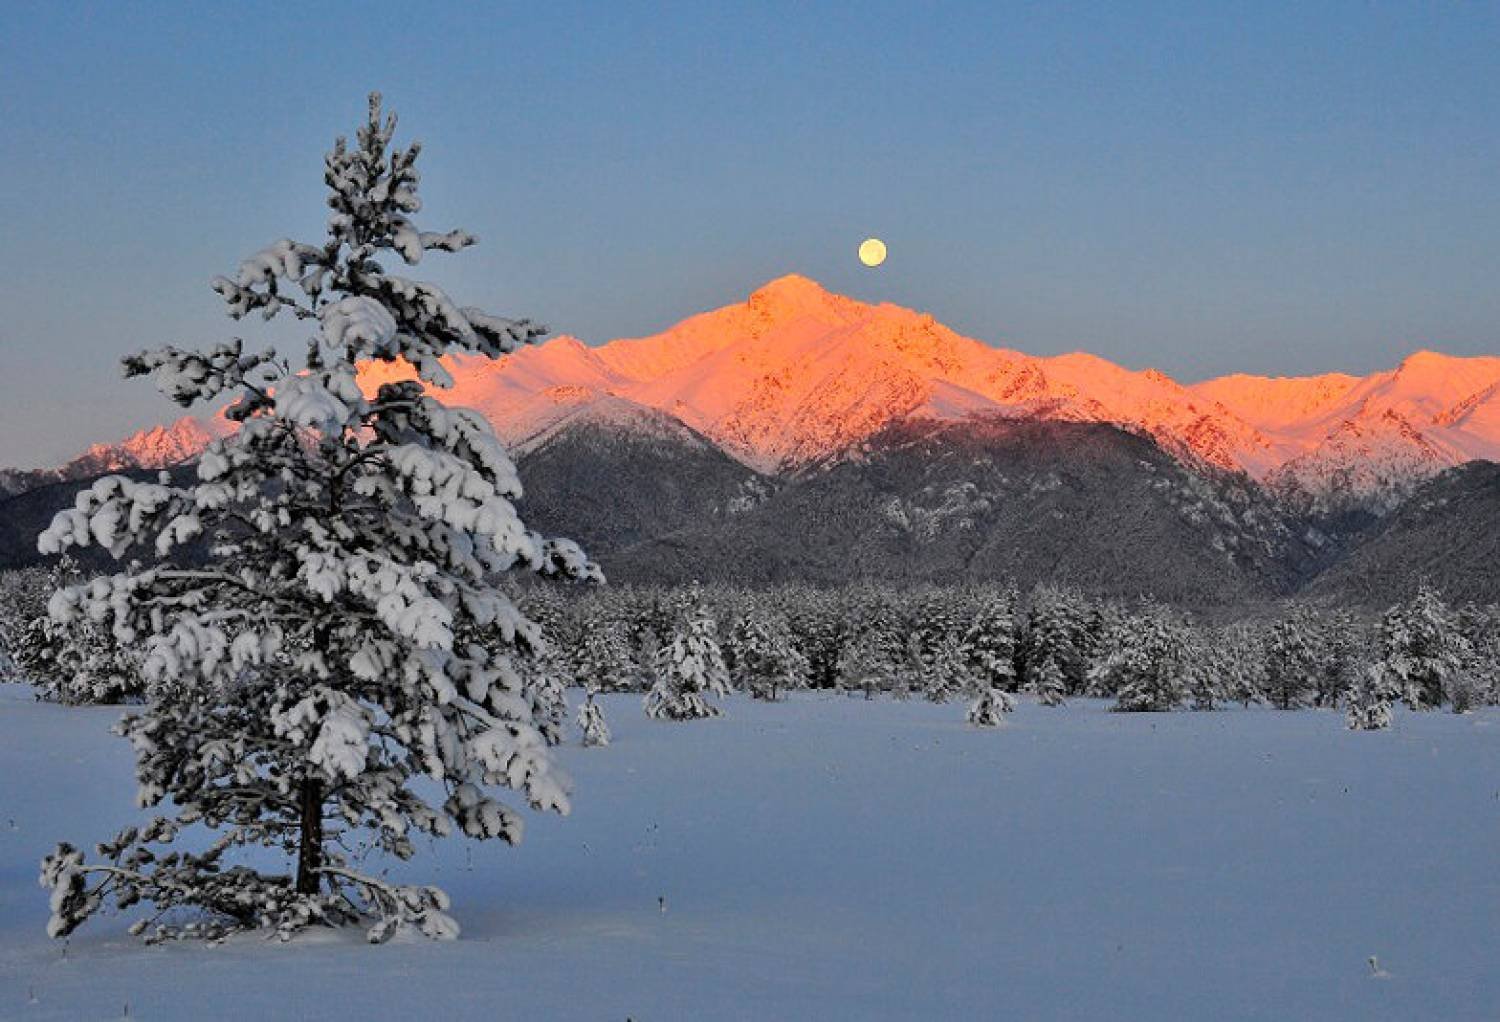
x,y
832,857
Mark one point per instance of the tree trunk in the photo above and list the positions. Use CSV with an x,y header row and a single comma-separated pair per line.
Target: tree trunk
x,y
310,850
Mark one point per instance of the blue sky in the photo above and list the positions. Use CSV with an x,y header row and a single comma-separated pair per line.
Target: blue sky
x,y
1199,187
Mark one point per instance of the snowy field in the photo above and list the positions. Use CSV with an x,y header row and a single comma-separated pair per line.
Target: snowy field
x,y
831,858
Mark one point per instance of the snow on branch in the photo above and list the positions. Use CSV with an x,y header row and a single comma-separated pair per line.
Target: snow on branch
x,y
188,377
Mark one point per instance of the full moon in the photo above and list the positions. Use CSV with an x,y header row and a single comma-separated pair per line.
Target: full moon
x,y
872,251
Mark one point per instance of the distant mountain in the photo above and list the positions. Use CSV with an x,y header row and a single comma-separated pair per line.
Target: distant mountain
x,y
157,447
1368,442
803,434
795,375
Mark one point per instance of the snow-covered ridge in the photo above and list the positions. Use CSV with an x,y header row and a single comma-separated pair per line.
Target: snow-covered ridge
x,y
157,447
796,374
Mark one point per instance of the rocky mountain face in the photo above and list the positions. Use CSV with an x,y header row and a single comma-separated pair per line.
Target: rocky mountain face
x,y
993,498
617,489
1447,533
802,434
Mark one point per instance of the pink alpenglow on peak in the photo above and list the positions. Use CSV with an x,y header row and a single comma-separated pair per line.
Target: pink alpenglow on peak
x,y
157,447
796,374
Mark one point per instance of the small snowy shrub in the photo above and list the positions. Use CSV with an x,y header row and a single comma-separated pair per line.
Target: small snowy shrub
x,y
591,723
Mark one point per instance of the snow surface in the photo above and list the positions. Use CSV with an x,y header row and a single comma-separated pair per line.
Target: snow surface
x,y
835,858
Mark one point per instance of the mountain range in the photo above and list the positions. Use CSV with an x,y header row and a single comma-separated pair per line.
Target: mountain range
x,y
803,420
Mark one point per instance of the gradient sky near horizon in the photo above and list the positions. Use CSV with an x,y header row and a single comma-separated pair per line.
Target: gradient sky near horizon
x,y
1203,188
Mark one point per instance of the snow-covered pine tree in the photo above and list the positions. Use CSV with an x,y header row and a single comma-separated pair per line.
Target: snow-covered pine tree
x,y
544,605
23,599
1480,627
654,614
873,635
1203,676
647,658
1109,623
738,634
1339,649
35,649
602,659
911,667
865,664
346,633
738,605
766,663
934,613
946,670
989,707
35,655
1226,666
1291,662
1046,680
78,663
819,622
1147,670
1420,643
991,640
1054,663
545,672
1238,658
689,666
1370,699
991,645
